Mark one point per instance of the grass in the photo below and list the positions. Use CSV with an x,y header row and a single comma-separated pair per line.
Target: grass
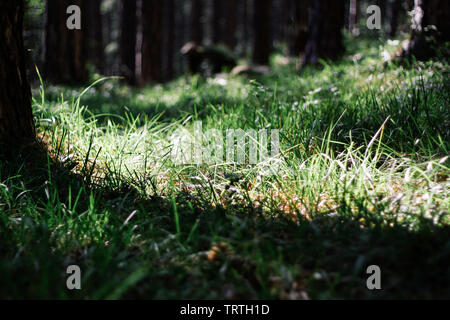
x,y
362,179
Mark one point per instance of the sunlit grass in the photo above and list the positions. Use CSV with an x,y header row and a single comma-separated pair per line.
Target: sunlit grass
x,y
362,177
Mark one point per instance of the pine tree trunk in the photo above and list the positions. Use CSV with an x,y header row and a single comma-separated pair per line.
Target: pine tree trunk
x,y
65,50
152,41
230,24
218,22
170,38
94,33
278,22
326,21
128,40
196,21
16,119
393,9
430,25
246,27
262,47
298,27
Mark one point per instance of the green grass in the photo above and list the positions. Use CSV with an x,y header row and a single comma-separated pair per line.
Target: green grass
x,y
363,179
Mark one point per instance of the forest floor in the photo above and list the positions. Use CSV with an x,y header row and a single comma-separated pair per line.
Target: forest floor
x,y
362,179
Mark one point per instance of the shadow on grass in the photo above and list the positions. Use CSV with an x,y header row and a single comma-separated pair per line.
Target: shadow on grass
x,y
130,246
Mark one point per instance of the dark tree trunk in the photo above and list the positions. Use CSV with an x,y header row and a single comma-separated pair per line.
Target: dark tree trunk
x,y
181,24
298,27
169,46
230,24
278,21
430,25
246,27
65,50
326,21
262,47
111,21
16,119
393,10
152,41
128,40
94,33
218,22
197,17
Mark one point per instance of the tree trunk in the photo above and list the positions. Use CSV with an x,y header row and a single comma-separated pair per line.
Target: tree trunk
x,y
218,22
279,20
16,119
65,50
197,21
94,33
262,47
230,23
246,27
326,21
128,40
169,39
393,10
152,41
298,27
430,25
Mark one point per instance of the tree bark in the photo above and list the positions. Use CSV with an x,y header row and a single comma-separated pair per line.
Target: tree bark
x,y
152,41
298,27
393,10
94,33
169,39
197,21
218,22
181,24
262,47
16,119
128,40
326,21
246,27
65,50
230,23
429,30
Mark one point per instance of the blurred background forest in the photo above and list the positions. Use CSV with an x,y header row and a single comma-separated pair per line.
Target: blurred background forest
x,y
142,40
